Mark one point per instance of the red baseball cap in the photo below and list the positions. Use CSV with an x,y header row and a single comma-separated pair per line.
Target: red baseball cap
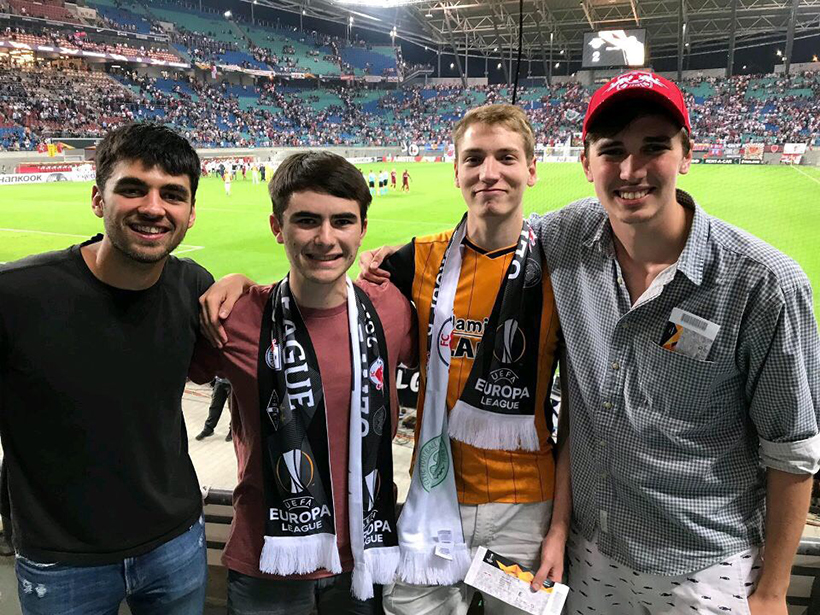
x,y
638,84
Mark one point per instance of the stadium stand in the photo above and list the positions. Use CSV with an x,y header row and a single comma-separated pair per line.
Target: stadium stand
x,y
732,110
51,9
770,109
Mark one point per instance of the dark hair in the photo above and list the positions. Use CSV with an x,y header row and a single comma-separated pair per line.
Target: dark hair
x,y
322,172
153,145
621,114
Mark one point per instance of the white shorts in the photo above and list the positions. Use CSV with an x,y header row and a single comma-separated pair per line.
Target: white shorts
x,y
601,585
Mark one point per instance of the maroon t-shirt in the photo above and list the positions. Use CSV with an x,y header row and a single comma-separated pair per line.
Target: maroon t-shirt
x,y
237,361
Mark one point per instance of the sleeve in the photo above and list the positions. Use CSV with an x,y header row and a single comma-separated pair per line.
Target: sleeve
x,y
206,363
783,381
409,352
402,268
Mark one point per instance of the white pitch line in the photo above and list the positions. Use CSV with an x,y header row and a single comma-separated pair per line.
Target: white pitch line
x,y
183,250
180,250
802,172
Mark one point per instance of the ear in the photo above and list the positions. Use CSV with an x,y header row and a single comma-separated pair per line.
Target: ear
x,y
192,216
686,163
532,176
276,228
455,168
364,228
97,201
587,170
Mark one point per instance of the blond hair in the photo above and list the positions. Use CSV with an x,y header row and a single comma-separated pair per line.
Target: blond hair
x,y
509,116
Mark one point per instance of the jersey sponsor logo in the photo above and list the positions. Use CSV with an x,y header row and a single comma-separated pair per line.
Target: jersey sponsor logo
x,y
295,471
510,342
377,373
434,462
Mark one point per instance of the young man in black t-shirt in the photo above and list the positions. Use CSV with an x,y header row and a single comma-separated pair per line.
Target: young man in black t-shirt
x,y
95,345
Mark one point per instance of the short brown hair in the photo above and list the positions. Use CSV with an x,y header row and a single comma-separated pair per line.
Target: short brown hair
x,y
322,172
622,114
509,116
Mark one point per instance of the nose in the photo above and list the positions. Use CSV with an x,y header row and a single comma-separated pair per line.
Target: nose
x,y
632,168
152,205
324,233
489,171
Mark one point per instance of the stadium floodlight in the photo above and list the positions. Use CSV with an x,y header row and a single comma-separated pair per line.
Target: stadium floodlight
x,y
779,53
557,65
227,14
452,66
814,58
499,66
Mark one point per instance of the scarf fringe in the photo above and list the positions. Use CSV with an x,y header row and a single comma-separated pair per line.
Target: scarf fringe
x,y
426,568
287,555
379,567
491,431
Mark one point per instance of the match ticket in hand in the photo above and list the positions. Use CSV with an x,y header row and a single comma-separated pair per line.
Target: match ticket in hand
x,y
495,575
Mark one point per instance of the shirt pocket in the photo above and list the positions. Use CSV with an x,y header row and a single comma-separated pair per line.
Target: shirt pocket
x,y
676,391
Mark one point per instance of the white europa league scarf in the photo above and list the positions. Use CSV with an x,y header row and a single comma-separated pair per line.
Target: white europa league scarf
x,y
300,530
496,409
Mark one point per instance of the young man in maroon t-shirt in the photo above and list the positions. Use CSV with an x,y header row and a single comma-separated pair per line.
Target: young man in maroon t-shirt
x,y
320,216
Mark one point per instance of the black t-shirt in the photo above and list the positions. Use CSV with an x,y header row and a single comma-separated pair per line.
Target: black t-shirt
x,y
91,383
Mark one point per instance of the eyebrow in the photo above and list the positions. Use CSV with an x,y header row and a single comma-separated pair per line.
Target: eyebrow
x,y
654,139
503,150
136,181
311,214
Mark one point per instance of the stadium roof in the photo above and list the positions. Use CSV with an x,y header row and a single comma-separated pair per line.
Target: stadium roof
x,y
491,27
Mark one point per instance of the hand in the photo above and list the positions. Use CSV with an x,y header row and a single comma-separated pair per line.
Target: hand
x,y
216,304
552,560
760,604
369,265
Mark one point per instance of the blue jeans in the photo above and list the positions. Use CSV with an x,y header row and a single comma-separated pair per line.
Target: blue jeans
x,y
329,596
170,580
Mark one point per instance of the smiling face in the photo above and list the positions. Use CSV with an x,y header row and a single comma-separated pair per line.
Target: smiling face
x,y
635,170
321,234
492,170
146,212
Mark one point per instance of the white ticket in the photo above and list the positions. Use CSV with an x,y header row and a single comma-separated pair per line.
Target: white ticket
x,y
502,578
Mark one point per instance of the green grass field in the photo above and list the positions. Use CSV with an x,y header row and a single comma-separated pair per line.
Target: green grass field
x,y
779,204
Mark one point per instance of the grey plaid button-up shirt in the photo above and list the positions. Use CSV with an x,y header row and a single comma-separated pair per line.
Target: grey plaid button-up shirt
x,y
669,452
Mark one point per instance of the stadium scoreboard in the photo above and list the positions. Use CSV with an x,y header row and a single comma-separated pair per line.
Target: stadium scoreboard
x,y
614,49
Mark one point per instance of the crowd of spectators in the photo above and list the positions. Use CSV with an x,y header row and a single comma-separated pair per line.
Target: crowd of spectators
x,y
48,102
88,41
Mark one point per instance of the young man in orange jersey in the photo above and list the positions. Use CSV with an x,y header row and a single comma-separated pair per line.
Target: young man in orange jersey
x,y
484,467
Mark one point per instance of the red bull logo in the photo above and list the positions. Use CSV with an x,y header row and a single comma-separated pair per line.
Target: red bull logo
x,y
377,374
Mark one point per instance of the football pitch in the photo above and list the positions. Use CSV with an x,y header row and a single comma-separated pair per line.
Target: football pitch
x,y
777,203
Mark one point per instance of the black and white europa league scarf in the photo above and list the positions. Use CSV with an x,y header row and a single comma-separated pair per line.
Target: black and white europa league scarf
x,y
496,409
300,534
